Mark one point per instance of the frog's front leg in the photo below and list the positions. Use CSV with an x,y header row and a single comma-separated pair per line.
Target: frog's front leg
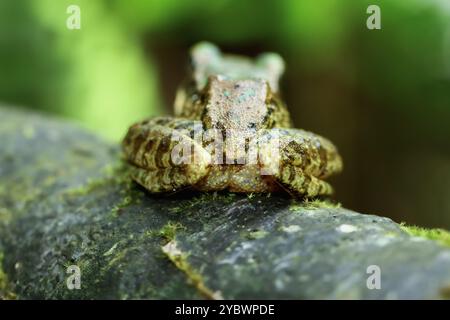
x,y
299,160
162,157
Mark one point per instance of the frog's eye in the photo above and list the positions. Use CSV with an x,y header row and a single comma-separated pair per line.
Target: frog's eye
x,y
204,53
272,62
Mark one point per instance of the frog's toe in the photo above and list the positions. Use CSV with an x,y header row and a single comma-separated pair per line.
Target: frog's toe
x,y
168,179
296,181
314,155
163,158
299,160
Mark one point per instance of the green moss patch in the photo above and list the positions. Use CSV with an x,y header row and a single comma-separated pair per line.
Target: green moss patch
x,y
5,289
114,174
169,230
125,202
256,234
309,204
440,235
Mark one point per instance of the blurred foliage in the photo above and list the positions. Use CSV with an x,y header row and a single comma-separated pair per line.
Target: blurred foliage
x,y
383,96
97,74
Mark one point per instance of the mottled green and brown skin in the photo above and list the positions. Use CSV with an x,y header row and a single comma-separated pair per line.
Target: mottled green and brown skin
x,y
226,92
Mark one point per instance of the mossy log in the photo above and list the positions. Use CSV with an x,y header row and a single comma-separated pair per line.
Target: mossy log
x,y
65,199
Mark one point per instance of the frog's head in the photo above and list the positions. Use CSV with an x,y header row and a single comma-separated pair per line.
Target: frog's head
x,y
208,60
239,105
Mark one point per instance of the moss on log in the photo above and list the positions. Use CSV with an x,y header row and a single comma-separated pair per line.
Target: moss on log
x,y
65,199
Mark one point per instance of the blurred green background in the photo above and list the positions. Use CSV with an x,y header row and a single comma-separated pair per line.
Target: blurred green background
x,y
383,96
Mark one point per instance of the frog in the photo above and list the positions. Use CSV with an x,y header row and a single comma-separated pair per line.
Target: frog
x,y
238,99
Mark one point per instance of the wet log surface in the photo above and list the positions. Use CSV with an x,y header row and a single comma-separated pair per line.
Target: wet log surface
x,y
65,199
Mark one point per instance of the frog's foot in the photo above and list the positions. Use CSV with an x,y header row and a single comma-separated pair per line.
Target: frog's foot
x,y
162,157
299,160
